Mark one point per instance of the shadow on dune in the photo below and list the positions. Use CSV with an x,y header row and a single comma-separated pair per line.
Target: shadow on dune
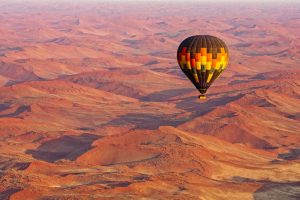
x,y
189,104
145,121
3,106
5,195
19,110
293,154
192,104
166,94
272,190
112,184
67,147
278,191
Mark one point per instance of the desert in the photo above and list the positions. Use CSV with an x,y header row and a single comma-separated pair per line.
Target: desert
x,y
93,104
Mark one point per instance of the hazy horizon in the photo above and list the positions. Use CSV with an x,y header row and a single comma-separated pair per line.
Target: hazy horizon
x,y
157,1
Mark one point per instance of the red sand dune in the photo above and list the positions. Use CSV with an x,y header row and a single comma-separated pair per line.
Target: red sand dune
x,y
94,106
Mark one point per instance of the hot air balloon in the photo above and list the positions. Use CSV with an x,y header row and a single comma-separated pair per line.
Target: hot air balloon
x,y
202,58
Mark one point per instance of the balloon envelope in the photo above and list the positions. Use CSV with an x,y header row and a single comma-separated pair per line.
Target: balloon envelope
x,y
202,58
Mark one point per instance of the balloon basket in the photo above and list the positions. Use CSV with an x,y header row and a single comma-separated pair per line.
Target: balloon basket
x,y
202,97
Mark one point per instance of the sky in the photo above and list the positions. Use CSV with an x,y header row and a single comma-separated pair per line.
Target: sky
x,y
236,1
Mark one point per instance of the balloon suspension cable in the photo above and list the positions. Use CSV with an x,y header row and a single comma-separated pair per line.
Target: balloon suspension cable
x,y
202,97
